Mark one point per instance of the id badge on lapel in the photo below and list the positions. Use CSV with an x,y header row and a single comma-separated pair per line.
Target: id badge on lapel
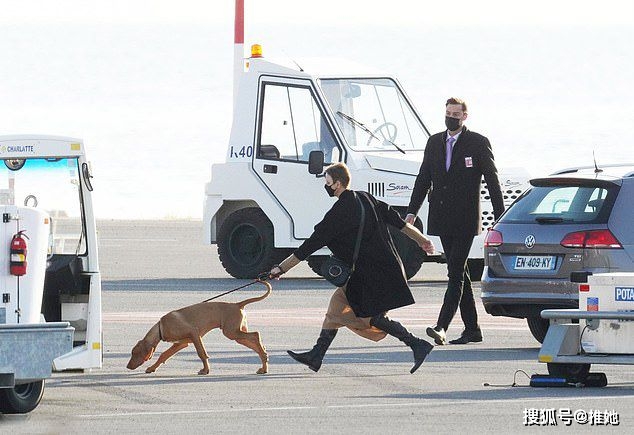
x,y
468,162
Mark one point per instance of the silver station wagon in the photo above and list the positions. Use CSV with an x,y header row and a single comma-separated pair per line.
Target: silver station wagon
x,y
579,219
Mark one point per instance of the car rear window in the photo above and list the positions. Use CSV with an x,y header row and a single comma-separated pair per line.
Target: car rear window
x,y
563,203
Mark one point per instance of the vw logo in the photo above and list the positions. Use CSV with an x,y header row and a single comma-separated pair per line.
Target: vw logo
x,y
529,241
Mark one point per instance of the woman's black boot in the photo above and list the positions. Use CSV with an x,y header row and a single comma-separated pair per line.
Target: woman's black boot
x,y
420,347
313,357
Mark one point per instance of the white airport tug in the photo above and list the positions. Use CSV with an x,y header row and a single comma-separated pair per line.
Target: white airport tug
x,y
50,311
601,331
290,119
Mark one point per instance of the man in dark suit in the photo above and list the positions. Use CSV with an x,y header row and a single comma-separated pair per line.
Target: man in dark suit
x,y
453,165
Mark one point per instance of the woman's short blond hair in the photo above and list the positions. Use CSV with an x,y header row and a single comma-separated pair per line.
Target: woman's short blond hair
x,y
339,172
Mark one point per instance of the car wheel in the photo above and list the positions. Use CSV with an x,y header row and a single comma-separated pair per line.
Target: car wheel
x,y
246,245
476,267
538,327
22,398
572,372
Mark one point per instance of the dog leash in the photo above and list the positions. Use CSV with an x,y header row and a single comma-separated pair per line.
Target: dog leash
x,y
261,277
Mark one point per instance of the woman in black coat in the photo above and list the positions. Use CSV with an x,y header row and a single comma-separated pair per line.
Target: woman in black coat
x,y
378,283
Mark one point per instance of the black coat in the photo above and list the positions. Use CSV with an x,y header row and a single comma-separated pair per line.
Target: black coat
x,y
454,195
378,283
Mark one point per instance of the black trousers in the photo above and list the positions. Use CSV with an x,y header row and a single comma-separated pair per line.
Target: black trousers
x,y
459,291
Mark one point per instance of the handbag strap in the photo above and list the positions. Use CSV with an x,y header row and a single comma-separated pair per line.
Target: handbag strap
x,y
360,233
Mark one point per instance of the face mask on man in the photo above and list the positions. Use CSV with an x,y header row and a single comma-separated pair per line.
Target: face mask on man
x,y
329,190
452,124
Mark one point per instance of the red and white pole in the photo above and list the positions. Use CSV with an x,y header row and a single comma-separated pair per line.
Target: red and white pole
x,y
238,47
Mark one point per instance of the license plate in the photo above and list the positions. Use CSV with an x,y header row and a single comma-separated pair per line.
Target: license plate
x,y
534,262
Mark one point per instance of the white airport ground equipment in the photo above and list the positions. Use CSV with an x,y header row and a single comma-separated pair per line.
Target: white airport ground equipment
x,y
604,334
50,311
290,119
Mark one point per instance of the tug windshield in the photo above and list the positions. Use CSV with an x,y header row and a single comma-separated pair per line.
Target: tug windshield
x,y
374,115
51,185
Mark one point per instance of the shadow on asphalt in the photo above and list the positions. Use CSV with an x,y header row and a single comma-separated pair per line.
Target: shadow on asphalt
x,y
339,356
140,378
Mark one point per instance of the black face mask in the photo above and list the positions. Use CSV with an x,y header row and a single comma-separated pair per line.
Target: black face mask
x,y
329,190
452,124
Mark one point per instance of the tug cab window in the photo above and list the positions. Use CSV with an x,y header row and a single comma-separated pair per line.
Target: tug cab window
x,y
292,125
51,185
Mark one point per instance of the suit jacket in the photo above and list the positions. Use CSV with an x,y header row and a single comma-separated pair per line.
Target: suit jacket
x,y
378,283
454,195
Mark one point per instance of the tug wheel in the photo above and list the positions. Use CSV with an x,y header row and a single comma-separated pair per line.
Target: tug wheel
x,y
246,245
22,398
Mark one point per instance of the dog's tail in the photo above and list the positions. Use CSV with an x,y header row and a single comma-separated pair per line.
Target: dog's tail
x,y
259,298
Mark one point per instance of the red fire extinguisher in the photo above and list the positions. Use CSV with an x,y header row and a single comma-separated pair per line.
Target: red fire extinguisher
x,y
18,254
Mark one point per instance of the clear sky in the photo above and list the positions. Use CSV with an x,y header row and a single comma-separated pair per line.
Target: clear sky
x,y
147,83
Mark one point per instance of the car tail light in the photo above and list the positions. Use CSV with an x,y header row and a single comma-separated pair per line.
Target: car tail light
x,y
598,239
493,238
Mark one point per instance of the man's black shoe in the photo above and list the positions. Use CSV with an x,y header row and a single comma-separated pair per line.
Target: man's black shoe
x,y
468,337
438,335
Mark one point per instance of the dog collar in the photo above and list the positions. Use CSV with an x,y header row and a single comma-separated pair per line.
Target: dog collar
x,y
160,332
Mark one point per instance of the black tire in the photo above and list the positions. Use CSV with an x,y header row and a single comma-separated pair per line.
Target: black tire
x,y
246,245
22,398
411,254
315,262
538,327
572,372
476,267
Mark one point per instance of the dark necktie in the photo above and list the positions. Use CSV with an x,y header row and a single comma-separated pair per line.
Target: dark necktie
x,y
450,141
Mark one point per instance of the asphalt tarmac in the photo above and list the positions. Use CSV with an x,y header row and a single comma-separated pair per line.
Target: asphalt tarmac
x,y
152,267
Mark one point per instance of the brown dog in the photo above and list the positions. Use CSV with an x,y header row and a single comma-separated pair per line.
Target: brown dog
x,y
190,324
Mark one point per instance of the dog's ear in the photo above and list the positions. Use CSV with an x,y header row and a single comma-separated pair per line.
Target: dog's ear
x,y
136,350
